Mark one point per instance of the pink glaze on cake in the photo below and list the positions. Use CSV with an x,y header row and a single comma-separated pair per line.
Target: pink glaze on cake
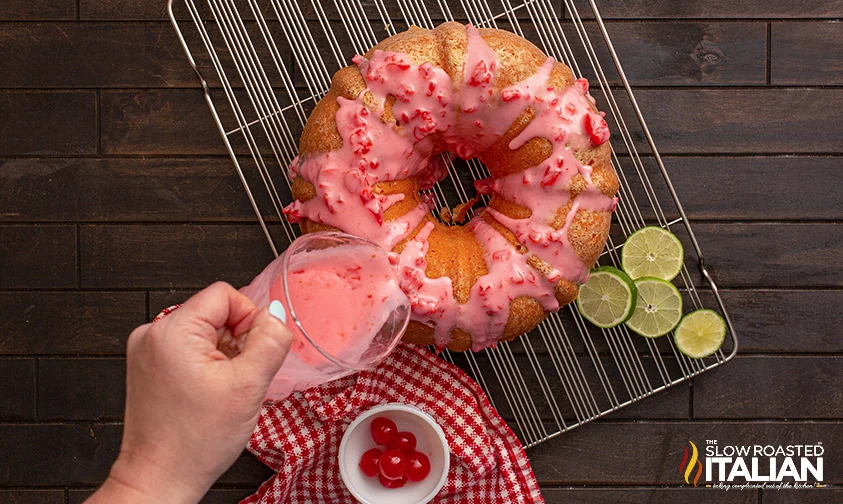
x,y
468,118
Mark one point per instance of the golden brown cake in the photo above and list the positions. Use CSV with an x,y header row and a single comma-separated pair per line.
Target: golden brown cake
x,y
373,142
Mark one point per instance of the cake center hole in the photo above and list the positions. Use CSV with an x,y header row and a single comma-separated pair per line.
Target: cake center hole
x,y
454,199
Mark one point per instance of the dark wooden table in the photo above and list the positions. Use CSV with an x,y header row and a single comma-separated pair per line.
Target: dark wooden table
x,y
116,199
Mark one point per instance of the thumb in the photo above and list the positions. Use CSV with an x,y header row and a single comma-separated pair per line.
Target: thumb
x,y
267,342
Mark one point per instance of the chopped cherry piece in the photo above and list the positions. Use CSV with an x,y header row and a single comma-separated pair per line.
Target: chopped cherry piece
x,y
404,441
418,466
596,128
384,431
369,462
393,483
393,464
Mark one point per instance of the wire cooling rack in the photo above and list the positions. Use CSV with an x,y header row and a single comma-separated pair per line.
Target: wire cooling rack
x,y
265,63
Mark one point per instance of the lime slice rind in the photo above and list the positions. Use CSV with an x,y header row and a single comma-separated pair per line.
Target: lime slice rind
x,y
700,334
652,252
658,308
607,299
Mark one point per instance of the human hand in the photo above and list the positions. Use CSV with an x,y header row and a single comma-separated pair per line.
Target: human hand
x,y
190,409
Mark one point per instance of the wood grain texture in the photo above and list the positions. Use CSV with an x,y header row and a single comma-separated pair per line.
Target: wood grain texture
x,y
162,122
17,388
122,10
37,10
32,496
129,10
649,453
755,188
69,117
56,323
654,53
732,391
677,54
92,55
806,53
802,496
118,55
109,190
793,321
718,121
171,256
749,9
81,389
58,454
247,471
773,254
178,122
37,257
645,496
672,404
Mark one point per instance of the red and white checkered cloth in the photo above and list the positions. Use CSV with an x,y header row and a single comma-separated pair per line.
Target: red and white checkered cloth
x,y
299,437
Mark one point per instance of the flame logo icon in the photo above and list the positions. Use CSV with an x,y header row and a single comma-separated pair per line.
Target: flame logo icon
x,y
687,466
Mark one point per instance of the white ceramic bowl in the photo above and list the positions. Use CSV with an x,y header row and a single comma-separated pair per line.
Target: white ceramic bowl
x,y
430,441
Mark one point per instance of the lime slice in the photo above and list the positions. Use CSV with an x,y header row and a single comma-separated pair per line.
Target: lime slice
x,y
657,309
607,298
652,252
700,333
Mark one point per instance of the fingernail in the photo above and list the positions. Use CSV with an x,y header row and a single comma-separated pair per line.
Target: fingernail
x,y
276,309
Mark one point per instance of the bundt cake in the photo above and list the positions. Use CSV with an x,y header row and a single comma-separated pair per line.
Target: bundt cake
x,y
372,143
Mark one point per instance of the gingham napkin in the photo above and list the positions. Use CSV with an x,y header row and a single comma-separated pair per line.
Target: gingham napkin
x,y
299,437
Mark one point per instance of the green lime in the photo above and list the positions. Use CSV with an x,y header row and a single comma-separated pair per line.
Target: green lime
x,y
657,309
700,333
607,298
652,252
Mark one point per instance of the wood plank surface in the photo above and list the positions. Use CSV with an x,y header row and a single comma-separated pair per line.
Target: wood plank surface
x,y
61,323
32,496
657,53
69,117
802,496
747,9
158,122
732,391
806,53
773,254
57,454
17,388
40,10
755,188
171,256
121,10
719,120
81,389
645,496
786,321
118,189
37,257
92,55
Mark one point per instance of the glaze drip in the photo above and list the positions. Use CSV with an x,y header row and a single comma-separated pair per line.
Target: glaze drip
x,y
430,111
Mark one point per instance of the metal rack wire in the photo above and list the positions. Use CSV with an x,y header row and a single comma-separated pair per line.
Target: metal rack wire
x,y
265,63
